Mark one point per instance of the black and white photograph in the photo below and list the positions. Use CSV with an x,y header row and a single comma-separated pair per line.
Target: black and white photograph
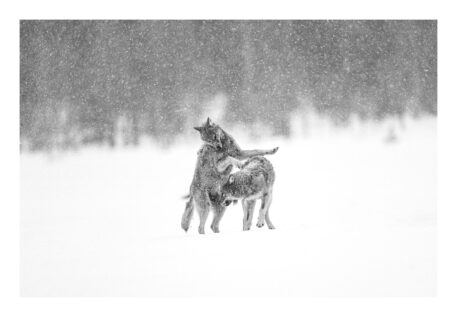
x,y
187,158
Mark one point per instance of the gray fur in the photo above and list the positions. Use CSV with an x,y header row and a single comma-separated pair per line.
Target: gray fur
x,y
253,181
213,168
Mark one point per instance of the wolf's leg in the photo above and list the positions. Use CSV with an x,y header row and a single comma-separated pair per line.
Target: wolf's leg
x,y
264,208
187,215
203,210
267,219
250,205
245,214
245,154
261,219
218,214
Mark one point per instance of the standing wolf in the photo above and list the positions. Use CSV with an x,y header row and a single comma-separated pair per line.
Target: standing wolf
x,y
253,181
214,165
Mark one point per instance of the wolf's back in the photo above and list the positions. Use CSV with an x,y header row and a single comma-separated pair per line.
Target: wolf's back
x,y
260,165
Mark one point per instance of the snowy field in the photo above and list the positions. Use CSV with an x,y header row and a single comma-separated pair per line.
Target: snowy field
x,y
355,216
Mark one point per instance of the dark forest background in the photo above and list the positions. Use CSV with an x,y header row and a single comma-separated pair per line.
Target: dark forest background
x,y
79,78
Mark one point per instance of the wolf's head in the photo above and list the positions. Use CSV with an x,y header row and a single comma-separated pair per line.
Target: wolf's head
x,y
211,134
230,191
226,199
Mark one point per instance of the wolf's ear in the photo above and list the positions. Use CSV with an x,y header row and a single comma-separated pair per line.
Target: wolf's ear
x,y
209,122
231,179
199,129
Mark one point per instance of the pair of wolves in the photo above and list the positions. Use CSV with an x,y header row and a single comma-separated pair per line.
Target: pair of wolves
x,y
214,188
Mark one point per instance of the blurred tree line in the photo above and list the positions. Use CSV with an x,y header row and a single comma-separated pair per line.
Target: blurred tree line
x,y
84,81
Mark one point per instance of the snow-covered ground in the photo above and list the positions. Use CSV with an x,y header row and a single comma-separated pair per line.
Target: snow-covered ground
x,y
355,216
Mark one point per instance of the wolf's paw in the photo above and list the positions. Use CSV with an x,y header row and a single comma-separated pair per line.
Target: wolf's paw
x,y
275,150
214,228
260,224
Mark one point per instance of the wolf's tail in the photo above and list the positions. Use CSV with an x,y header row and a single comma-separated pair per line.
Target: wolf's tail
x,y
187,215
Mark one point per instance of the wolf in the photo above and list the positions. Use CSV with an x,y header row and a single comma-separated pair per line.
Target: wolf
x,y
214,164
223,142
253,181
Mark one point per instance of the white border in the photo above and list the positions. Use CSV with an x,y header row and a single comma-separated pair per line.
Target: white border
x,y
10,302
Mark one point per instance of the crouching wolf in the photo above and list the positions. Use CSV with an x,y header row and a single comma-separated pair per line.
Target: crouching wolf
x,y
253,181
214,165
